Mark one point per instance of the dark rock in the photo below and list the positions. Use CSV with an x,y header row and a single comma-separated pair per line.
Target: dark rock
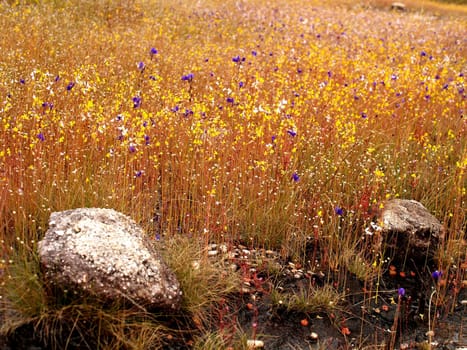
x,y
106,254
410,230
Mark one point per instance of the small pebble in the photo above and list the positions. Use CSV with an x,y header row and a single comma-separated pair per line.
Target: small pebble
x,y
254,344
213,252
298,275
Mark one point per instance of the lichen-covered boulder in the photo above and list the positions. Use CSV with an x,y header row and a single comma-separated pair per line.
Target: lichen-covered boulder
x,y
410,230
106,254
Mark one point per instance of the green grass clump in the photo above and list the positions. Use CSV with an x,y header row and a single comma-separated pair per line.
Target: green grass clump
x,y
312,300
70,320
64,319
206,283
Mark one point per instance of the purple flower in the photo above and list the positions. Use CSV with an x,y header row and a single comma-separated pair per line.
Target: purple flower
x,y
393,77
295,177
132,148
57,78
230,100
136,102
292,132
153,51
238,59
175,109
70,85
141,66
152,77
423,53
188,77
339,211
364,115
41,136
401,292
22,81
188,112
139,173
241,84
273,138
48,104
254,53
436,274
146,139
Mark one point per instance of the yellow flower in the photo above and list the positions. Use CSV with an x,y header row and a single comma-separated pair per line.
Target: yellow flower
x,y
379,173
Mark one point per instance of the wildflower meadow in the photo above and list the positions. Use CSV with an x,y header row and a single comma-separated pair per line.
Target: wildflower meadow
x,y
234,122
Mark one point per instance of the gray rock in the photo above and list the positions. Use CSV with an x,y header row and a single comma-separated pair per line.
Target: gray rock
x,y
105,253
410,228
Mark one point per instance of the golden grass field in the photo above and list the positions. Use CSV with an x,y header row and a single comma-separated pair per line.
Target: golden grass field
x,y
233,121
